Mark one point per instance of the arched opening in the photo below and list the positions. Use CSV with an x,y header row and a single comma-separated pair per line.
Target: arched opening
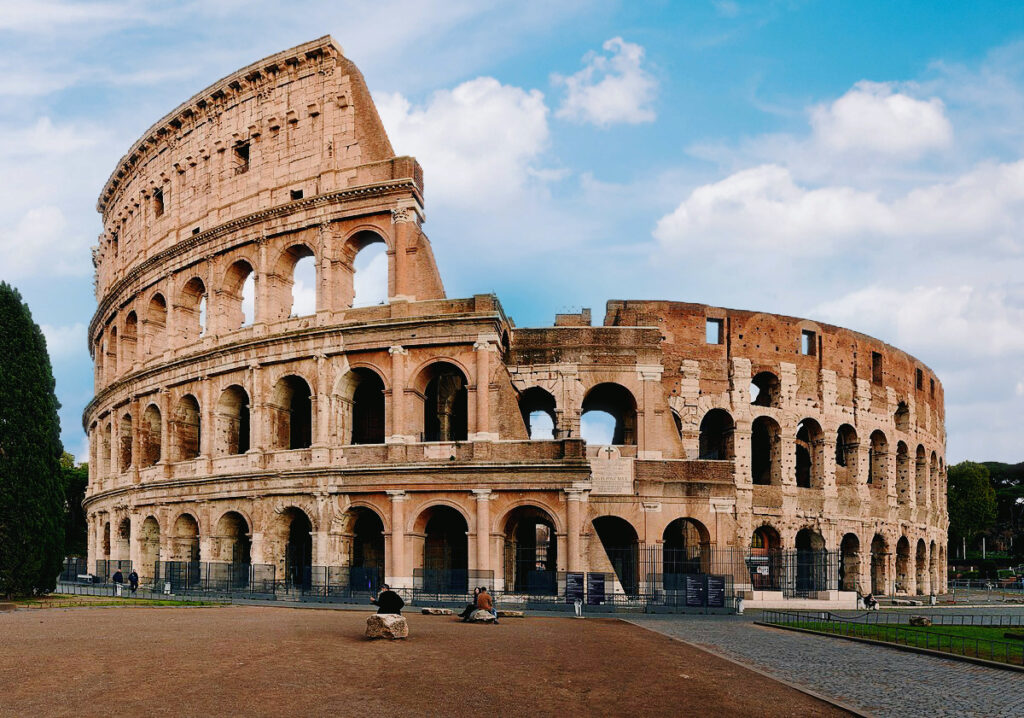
x,y
921,567
849,563
238,298
366,561
921,477
232,542
902,474
933,568
233,421
445,551
99,358
810,468
685,550
112,348
106,452
106,542
370,273
292,546
537,407
156,325
291,414
846,456
445,415
622,549
902,417
765,389
125,438
811,563
878,459
360,403
765,559
609,416
150,436
191,310
933,481
903,565
149,548
123,541
129,339
531,552
765,467
183,570
185,429
716,436
879,566
299,272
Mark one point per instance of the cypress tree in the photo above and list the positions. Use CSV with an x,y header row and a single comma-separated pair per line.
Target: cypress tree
x,y
31,485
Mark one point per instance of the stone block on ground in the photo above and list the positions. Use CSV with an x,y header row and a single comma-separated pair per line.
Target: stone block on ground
x,y
906,602
437,612
510,614
479,616
386,625
920,621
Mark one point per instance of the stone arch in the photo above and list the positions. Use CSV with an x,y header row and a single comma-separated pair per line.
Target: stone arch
x,y
191,310
106,451
621,544
122,539
112,352
716,438
903,576
185,538
812,568
186,429
359,395
364,547
290,412
765,445
233,423
685,549
531,550
237,297
933,568
442,553
766,389
538,407
878,453
441,392
921,567
125,458
289,545
232,538
846,456
149,547
879,565
849,563
921,477
810,460
369,248
156,325
903,492
288,303
130,338
619,407
901,417
150,436
765,559
933,480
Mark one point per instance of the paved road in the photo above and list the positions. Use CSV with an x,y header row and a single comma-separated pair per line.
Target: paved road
x,y
876,680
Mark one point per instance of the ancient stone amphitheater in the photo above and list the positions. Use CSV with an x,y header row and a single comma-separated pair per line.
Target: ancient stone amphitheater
x,y
429,441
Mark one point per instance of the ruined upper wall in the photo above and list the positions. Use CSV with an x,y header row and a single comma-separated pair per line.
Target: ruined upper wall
x,y
297,124
768,340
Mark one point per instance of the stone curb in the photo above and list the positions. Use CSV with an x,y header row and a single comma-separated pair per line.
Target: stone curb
x,y
795,686
898,647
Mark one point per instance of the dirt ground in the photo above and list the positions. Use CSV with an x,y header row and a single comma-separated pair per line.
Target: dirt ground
x,y
235,660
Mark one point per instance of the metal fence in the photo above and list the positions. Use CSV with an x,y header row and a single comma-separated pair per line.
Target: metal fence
x,y
937,637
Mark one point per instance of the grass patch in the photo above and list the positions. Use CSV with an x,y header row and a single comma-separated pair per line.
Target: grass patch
x,y
986,642
57,600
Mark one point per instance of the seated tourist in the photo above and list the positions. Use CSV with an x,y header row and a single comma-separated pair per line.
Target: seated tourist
x,y
485,603
388,601
870,603
470,607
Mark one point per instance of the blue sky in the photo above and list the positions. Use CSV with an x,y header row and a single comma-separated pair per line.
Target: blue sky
x,y
860,163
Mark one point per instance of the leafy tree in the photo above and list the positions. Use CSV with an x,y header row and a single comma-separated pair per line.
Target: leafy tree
x,y
76,530
31,485
972,500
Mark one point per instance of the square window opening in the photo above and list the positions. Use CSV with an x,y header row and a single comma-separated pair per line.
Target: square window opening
x,y
195,230
296,194
876,368
158,202
808,343
713,331
242,158
920,380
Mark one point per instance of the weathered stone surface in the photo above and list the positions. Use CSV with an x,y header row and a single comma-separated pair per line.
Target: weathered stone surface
x,y
479,616
920,621
907,602
437,612
386,625
510,614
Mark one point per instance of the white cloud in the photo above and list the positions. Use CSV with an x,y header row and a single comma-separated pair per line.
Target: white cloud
x,y
41,242
873,117
610,89
45,15
475,142
65,341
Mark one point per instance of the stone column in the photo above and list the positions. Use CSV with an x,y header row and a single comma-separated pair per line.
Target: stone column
x,y
403,220
262,310
483,348
483,528
206,420
323,404
92,547
575,498
164,402
134,544
397,433
646,429
394,562
257,411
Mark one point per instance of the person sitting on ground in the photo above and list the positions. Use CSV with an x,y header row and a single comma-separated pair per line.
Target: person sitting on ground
x,y
388,601
485,603
870,603
470,607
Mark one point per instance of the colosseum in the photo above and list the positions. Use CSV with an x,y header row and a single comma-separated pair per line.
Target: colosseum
x,y
239,432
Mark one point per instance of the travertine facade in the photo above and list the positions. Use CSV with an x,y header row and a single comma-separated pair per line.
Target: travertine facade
x,y
399,434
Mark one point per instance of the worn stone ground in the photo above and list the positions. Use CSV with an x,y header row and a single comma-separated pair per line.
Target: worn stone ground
x,y
877,680
250,660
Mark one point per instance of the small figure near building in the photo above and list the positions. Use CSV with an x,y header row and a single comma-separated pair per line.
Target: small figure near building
x,y
388,601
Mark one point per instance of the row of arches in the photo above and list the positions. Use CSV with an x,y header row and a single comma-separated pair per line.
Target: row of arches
x,y
164,320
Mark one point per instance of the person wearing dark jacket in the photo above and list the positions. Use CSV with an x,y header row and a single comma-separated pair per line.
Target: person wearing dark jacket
x,y
117,577
133,581
470,607
388,601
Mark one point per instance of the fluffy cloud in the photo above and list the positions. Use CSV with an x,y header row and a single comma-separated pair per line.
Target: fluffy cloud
x,y
873,117
610,89
42,242
65,341
475,142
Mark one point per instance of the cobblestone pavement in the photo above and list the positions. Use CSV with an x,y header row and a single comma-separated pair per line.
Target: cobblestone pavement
x,y
877,680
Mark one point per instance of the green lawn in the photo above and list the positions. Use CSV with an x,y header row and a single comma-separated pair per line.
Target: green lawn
x,y
976,641
60,600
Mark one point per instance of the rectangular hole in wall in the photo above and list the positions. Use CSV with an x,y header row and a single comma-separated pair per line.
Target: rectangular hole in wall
x,y
195,230
713,331
158,202
920,380
808,343
296,194
241,158
931,387
876,368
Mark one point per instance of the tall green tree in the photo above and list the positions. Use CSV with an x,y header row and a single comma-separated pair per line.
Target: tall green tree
x,y
76,530
972,500
31,485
